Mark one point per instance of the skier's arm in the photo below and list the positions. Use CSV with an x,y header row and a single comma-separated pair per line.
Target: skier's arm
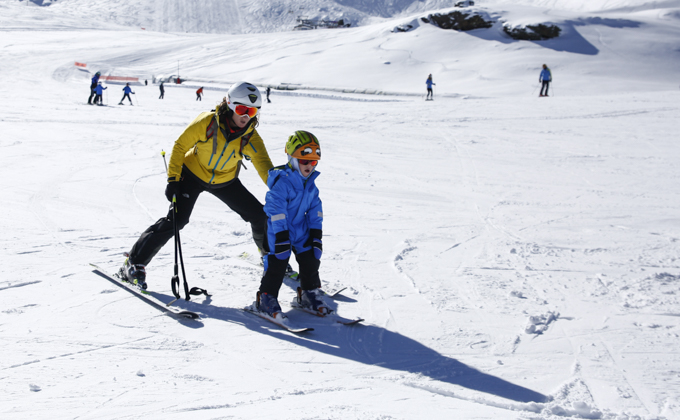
x,y
276,206
315,216
257,153
194,133
276,209
315,213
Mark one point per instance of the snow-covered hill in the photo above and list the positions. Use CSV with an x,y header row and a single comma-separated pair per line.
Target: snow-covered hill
x,y
515,257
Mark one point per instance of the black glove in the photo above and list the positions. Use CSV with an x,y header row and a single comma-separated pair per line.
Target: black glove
x,y
282,245
315,242
171,189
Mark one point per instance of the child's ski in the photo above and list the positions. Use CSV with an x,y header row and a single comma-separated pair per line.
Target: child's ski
x,y
331,315
281,322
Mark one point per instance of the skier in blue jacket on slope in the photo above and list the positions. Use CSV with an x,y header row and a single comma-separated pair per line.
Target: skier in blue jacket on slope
x,y
294,224
429,83
546,78
93,84
127,90
99,90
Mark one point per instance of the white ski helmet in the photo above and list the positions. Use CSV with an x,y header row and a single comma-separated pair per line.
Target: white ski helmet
x,y
244,93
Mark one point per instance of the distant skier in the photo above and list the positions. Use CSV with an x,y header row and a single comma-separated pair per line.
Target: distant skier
x,y
546,78
429,83
193,169
162,91
199,93
268,92
93,85
99,90
127,91
294,222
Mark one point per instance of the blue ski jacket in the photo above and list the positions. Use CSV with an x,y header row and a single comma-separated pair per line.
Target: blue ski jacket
x,y
429,83
127,89
95,80
99,89
292,204
546,75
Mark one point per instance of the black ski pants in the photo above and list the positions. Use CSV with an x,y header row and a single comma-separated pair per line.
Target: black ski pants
x,y
127,95
276,269
92,94
545,85
234,195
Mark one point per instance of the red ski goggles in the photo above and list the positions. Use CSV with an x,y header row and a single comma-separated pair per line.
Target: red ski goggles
x,y
242,110
307,162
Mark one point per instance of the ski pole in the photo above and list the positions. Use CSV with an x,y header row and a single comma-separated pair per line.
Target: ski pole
x,y
166,163
178,250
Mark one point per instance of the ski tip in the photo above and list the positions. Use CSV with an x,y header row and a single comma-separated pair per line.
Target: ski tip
x,y
351,322
189,315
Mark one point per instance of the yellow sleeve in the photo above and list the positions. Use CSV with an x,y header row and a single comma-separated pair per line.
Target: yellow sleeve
x,y
257,153
194,133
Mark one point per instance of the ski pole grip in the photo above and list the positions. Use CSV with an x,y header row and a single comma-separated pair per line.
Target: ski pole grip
x,y
164,162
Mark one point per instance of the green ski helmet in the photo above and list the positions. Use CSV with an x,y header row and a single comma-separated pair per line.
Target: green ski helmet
x,y
303,145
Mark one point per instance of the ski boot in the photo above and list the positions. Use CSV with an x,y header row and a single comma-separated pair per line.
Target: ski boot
x,y
133,273
313,301
269,305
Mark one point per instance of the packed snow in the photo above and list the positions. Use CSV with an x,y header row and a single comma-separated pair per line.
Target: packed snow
x,y
514,257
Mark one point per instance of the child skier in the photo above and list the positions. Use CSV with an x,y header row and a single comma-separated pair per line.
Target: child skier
x,y
99,90
127,91
294,224
199,92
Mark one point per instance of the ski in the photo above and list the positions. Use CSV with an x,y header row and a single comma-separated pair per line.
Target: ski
x,y
331,315
283,323
144,296
333,293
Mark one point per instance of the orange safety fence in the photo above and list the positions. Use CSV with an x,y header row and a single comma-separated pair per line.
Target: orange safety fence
x,y
81,64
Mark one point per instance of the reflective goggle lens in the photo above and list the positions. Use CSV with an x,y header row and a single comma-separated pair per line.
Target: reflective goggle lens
x,y
245,110
308,162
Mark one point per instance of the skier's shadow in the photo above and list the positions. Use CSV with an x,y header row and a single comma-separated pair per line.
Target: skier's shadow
x,y
376,346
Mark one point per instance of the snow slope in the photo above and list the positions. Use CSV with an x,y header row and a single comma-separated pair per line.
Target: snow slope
x,y
515,257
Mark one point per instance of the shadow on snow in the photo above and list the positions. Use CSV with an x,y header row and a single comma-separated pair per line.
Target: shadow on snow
x,y
377,346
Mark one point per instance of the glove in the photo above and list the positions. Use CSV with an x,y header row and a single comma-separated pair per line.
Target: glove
x,y
315,242
171,189
282,245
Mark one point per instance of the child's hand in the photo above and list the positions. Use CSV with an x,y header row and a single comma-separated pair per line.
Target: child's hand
x,y
315,242
282,245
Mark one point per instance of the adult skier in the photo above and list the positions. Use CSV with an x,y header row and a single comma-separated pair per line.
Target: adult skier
x,y
294,222
93,85
99,90
429,83
162,91
208,156
127,90
199,92
545,77
269,90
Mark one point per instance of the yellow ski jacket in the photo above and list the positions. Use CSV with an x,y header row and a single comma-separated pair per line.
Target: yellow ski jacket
x,y
214,154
